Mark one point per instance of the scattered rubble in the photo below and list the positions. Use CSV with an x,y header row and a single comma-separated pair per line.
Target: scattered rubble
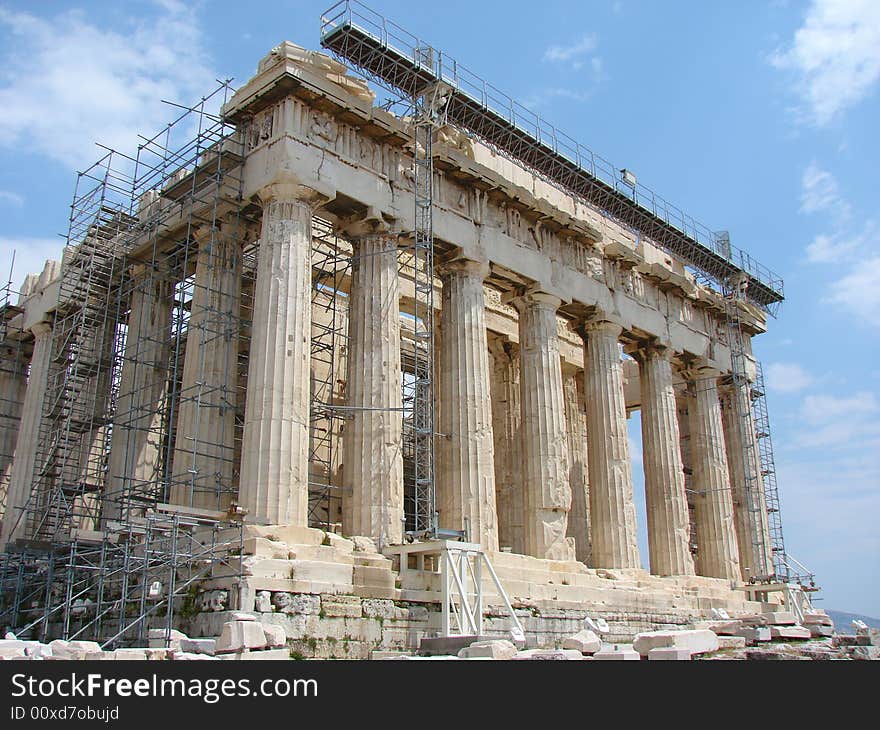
x,y
749,637
242,638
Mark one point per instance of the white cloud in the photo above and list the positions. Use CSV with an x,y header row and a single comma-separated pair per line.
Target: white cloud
x,y
827,249
835,57
820,193
828,471
547,95
856,288
845,247
787,377
859,291
840,423
109,82
824,409
585,45
10,198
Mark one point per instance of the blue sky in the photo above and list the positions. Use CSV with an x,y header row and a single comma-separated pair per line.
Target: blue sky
x,y
755,117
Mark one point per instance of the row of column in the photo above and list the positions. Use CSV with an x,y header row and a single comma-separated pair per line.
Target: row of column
x,y
535,455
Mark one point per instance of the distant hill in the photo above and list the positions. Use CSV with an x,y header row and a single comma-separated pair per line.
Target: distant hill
x,y
843,621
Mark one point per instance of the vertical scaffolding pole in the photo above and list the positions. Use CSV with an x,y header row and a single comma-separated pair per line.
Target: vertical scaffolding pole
x,y
429,113
751,498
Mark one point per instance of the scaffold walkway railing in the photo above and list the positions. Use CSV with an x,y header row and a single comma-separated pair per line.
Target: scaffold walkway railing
x,y
393,57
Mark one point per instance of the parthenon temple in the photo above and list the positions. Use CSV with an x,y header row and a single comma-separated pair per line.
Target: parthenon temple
x,y
245,345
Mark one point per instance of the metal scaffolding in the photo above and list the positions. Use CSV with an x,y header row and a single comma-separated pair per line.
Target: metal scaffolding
x,y
149,347
404,64
137,469
396,59
15,352
115,589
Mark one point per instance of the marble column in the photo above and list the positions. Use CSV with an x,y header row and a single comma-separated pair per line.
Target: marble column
x,y
203,466
86,464
545,448
667,509
372,459
13,387
466,478
749,505
21,480
713,506
612,509
684,401
136,446
275,451
576,430
507,432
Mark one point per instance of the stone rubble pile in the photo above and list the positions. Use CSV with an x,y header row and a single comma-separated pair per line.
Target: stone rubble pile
x,y
770,635
244,637
773,635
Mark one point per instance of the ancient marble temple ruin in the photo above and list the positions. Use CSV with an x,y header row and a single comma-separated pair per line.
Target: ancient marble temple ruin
x,y
238,347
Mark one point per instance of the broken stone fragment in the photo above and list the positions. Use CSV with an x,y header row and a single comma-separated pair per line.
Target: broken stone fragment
x,y
296,603
670,653
275,635
263,602
156,638
617,653
697,641
584,641
239,635
549,655
493,649
198,646
789,632
73,649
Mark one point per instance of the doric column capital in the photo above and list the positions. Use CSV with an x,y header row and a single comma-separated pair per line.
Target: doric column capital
x,y
646,350
528,298
467,267
599,322
598,326
701,371
369,223
286,188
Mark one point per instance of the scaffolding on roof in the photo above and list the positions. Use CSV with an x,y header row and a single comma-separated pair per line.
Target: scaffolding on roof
x,y
393,57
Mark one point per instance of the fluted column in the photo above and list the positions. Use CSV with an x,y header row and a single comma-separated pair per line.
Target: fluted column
x,y
667,510
716,536
545,449
135,452
203,447
684,400
275,452
13,386
86,465
466,483
576,430
507,432
747,488
612,509
372,437
22,478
